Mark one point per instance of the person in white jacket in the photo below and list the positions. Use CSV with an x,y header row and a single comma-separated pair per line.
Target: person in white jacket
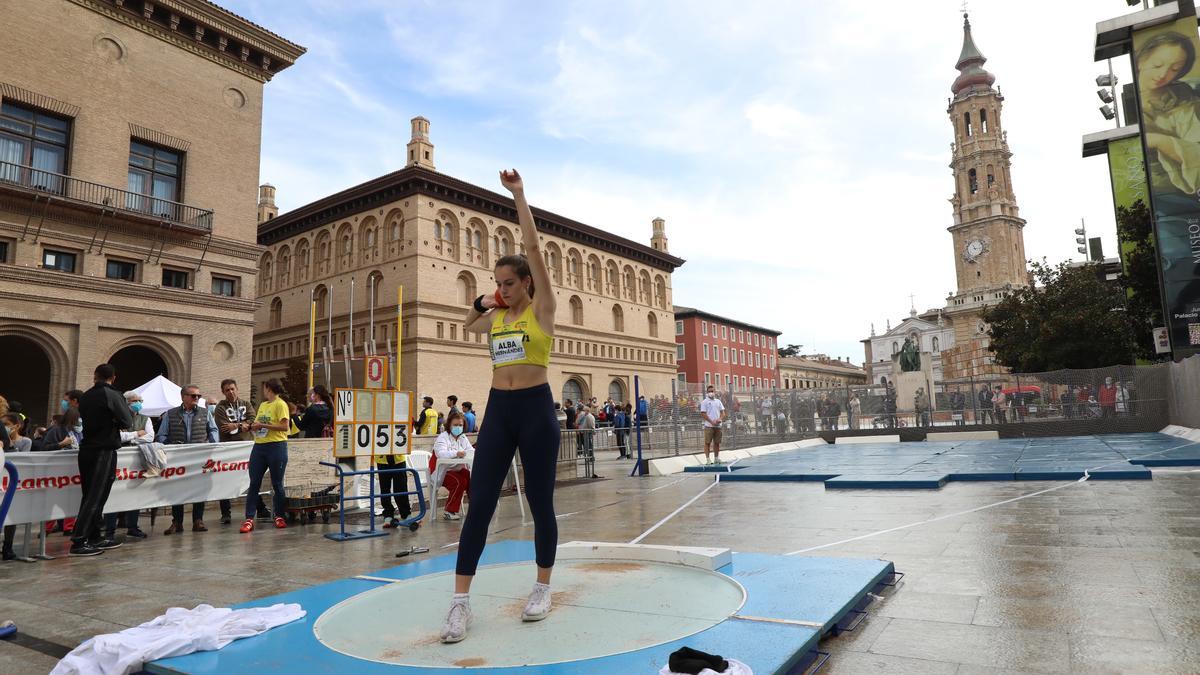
x,y
453,472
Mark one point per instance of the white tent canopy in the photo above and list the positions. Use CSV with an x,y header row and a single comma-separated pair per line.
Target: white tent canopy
x,y
159,395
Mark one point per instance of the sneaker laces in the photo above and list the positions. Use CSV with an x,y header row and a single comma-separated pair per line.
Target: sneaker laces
x,y
456,620
539,599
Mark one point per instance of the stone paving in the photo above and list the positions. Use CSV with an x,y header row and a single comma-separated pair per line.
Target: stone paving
x,y
1094,577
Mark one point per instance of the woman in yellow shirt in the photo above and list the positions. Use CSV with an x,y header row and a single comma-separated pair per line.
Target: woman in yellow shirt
x,y
271,425
520,413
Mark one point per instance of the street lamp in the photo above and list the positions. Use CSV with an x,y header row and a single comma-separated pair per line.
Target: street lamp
x,y
1081,239
1108,94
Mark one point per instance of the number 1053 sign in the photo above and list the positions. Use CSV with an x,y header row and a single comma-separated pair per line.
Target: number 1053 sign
x,y
371,422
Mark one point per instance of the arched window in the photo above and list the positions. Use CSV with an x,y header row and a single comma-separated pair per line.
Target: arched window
x,y
576,310
345,247
660,291
895,348
967,124
618,318
972,181
448,232
652,322
983,121
466,288
630,288
476,239
554,263
935,344
616,391
321,297
302,261
574,269
644,287
266,279
276,313
612,279
593,269
284,265
572,390
324,253
437,230
991,176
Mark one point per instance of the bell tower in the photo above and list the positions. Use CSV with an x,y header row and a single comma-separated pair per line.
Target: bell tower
x,y
420,148
987,229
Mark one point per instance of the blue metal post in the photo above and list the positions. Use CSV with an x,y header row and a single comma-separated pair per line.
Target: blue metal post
x,y
637,398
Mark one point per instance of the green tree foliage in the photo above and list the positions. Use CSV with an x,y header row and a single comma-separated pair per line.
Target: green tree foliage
x,y
1070,318
789,351
295,380
1140,275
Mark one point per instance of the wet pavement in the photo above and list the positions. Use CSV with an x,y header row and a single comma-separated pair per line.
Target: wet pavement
x,y
1091,577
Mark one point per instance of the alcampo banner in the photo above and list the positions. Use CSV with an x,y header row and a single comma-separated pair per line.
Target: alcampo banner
x,y
1168,85
48,482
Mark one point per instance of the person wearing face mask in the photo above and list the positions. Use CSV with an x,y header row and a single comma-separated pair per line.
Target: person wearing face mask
x,y
14,442
452,444
713,412
142,428
318,417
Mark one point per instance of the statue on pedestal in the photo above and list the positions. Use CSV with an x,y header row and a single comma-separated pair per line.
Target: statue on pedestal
x,y
910,358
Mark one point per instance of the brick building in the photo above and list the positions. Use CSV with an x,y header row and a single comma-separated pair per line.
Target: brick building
x,y
129,150
730,355
819,371
439,238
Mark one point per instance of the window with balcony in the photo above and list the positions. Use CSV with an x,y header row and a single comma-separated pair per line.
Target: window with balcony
x,y
224,286
174,278
3,252
155,179
121,269
33,147
58,260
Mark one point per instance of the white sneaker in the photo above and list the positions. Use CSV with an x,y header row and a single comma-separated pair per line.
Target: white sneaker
x,y
539,604
455,628
446,515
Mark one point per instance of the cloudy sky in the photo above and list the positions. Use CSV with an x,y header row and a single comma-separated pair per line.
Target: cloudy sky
x,y
798,150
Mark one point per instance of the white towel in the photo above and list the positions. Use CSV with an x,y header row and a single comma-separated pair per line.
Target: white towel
x,y
180,631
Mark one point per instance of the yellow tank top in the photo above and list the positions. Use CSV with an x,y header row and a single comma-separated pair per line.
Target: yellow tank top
x,y
519,342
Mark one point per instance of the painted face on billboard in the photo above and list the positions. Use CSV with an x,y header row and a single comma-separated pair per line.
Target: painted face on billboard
x,y
1162,65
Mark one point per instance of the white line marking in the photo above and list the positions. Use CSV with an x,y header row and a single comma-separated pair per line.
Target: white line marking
x,y
790,622
676,511
365,577
1086,476
674,482
450,545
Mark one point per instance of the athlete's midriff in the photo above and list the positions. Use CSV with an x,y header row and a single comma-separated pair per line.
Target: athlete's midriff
x,y
520,376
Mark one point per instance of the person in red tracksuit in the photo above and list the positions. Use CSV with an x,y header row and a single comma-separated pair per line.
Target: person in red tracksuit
x,y
453,444
1107,397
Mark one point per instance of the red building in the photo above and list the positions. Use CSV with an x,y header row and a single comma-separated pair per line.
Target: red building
x,y
730,355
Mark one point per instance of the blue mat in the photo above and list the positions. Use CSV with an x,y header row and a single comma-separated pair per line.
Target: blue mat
x,y
930,465
785,589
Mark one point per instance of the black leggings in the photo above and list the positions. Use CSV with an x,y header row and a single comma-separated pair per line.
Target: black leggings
x,y
522,418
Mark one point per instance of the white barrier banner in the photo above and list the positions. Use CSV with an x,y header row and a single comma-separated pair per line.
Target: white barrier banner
x,y
48,482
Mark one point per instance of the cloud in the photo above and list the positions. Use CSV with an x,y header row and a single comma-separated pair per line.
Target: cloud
x,y
798,151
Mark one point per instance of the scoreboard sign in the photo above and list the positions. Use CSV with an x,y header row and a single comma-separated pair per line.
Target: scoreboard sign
x,y
370,422
375,372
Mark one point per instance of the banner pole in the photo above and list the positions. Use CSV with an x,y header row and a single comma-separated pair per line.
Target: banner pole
x,y
312,341
399,334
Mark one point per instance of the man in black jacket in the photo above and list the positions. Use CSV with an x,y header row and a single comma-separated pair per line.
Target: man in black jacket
x,y
105,413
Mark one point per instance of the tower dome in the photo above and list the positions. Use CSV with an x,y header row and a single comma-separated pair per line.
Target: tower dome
x,y
972,74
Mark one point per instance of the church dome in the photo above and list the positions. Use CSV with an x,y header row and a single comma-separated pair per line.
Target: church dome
x,y
972,74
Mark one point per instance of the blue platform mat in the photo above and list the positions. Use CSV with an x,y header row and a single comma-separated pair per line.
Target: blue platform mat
x,y
930,465
791,602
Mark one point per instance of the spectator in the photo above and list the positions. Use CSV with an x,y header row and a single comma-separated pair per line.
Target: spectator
x,y
318,417
233,417
270,428
13,442
986,405
767,418
1068,402
561,415
469,417
106,413
610,411
61,435
187,423
958,404
889,407
393,479
427,421
643,410
921,406
1000,406
713,412
587,431
451,405
142,428
620,424
455,477
1107,397
854,412
295,415
570,411
16,408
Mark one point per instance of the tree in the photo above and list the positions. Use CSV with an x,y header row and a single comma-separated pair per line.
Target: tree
x,y
295,380
789,351
1140,275
1070,318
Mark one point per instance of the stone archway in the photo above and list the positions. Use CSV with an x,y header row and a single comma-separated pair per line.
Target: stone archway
x,y
140,359
37,372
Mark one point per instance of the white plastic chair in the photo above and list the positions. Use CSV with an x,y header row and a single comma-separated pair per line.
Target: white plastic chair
x,y
419,461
